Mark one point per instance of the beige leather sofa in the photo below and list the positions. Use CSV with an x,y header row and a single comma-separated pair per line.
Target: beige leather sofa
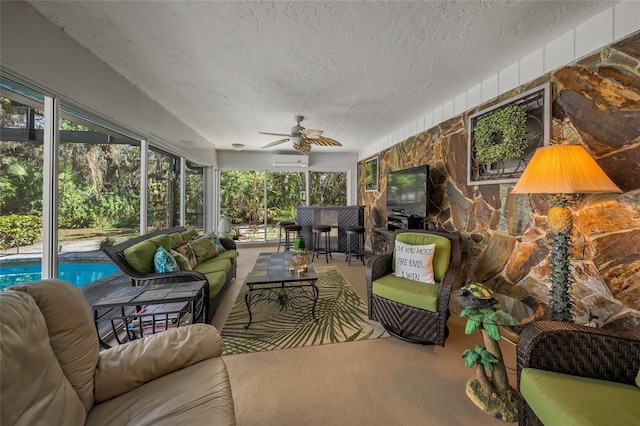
x,y
52,372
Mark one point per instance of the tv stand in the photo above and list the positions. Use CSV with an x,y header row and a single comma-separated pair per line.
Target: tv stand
x,y
397,221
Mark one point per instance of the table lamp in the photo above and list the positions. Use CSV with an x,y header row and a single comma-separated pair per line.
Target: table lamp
x,y
560,169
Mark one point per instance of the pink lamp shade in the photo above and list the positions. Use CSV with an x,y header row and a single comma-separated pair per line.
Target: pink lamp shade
x,y
563,169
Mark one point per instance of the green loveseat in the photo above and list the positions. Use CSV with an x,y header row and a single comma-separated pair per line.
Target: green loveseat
x,y
575,375
134,257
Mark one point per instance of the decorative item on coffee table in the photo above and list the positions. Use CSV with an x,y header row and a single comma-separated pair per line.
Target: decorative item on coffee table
x,y
300,253
487,311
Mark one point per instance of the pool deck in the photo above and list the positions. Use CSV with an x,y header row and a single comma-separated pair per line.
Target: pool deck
x,y
64,249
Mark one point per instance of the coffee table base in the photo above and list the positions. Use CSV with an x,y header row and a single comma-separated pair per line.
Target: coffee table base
x,y
281,294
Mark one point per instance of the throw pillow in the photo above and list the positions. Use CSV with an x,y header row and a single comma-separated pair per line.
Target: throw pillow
x,y
182,261
414,262
164,262
217,242
186,250
204,249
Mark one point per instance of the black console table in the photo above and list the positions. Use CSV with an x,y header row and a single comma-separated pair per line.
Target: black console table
x,y
338,217
404,222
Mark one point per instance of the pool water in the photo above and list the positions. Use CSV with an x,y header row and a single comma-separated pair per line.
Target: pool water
x,y
78,274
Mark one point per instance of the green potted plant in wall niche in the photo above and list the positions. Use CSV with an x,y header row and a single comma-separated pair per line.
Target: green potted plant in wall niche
x,y
500,136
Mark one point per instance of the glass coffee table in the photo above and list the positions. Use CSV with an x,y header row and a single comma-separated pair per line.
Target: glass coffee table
x,y
271,280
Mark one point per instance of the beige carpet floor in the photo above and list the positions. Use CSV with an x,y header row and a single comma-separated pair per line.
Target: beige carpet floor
x,y
373,382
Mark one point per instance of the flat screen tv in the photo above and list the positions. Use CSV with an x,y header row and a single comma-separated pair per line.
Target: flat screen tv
x,y
407,191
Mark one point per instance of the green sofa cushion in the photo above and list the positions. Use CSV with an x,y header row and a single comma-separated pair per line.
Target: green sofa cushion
x,y
161,241
175,239
562,399
189,234
183,262
408,292
204,249
638,379
216,282
232,255
442,255
140,256
213,265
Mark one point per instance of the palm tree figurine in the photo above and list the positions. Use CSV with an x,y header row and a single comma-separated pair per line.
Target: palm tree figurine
x,y
490,389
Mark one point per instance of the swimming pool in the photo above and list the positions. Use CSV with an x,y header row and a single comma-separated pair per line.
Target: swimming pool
x,y
79,273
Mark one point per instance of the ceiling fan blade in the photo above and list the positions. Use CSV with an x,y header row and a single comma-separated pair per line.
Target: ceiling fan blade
x,y
311,133
325,142
276,134
304,147
274,143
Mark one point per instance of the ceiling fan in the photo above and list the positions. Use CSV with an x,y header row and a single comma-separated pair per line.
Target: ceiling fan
x,y
302,138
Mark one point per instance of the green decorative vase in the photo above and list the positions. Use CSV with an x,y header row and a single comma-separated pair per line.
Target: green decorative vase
x,y
299,243
300,252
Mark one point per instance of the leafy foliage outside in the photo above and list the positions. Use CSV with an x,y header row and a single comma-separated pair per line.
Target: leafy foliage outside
x,y
19,230
242,196
99,183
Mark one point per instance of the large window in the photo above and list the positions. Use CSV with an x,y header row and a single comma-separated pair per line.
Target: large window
x,y
242,204
254,203
87,181
194,196
285,191
164,190
21,171
98,185
328,188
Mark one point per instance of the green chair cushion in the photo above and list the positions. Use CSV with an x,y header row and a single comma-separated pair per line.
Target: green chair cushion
x,y
213,265
562,399
408,292
442,255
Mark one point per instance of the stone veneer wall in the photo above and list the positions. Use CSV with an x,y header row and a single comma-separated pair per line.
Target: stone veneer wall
x,y
596,102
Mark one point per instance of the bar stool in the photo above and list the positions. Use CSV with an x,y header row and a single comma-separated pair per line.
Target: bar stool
x,y
282,225
318,230
357,232
288,230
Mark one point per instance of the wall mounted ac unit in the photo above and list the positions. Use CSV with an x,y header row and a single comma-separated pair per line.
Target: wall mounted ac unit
x,y
285,160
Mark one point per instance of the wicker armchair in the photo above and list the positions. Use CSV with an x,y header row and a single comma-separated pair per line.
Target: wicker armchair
x,y
407,322
579,351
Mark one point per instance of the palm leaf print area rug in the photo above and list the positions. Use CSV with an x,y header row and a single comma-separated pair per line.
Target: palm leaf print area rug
x,y
287,322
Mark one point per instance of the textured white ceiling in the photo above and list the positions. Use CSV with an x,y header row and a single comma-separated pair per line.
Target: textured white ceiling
x,y
357,70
